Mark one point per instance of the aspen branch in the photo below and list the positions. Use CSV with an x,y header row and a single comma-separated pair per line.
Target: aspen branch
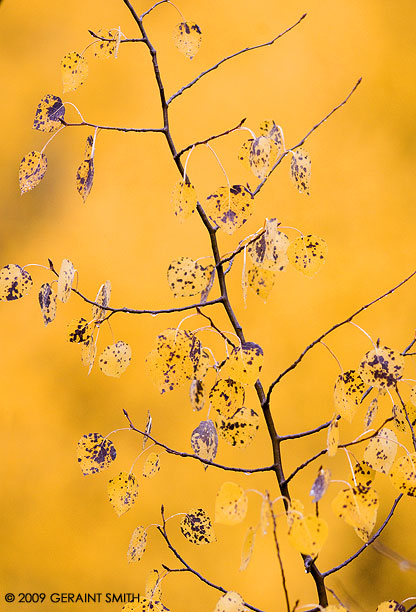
x,y
409,422
108,127
123,40
202,142
228,57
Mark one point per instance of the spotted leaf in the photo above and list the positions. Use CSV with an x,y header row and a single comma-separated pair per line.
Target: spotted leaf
x,y
48,114
88,353
105,49
79,330
348,390
358,508
244,363
197,528
226,396
230,602
259,157
32,169
403,474
244,153
371,413
74,70
231,504
84,178
269,250
333,437
145,605
239,429
115,359
187,277
95,453
265,516
196,394
122,492
381,450
153,587
204,440
65,280
187,37
184,200
274,133
382,367
363,476
307,254
300,170
15,282
103,300
391,606
248,547
175,360
151,466
308,535
229,207
47,302
137,545
320,485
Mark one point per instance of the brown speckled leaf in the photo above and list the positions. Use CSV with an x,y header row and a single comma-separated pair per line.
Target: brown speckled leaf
x,y
239,429
187,277
204,440
95,453
65,280
230,602
137,545
403,474
382,367
348,390
197,528
307,254
105,49
103,299
47,302
259,157
184,200
79,330
15,282
48,114
74,70
358,508
226,396
85,178
115,359
300,170
187,37
122,492
231,504
229,207
32,169
381,450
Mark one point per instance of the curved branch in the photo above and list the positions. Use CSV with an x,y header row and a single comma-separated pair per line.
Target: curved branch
x,y
107,127
202,142
367,544
225,59
124,40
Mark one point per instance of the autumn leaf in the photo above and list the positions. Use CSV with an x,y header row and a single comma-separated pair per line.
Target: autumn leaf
x,y
105,49
308,534
115,359
307,254
84,178
320,485
248,547
381,450
48,114
261,281
229,207
122,492
95,453
47,302
137,545
300,170
244,363
382,367
204,440
32,169
230,602
358,507
187,37
15,282
231,504
187,277
403,474
349,388
196,527
259,157
74,70
333,437
153,587
196,394
79,330
151,466
240,428
65,280
184,200
102,300
226,396
270,248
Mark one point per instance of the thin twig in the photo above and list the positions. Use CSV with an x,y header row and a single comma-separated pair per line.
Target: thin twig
x,y
241,248
152,8
124,40
276,543
202,142
310,432
207,462
228,57
407,417
367,544
301,142
162,531
216,328
330,330
107,127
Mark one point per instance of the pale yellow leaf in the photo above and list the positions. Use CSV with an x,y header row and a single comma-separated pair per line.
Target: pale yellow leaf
x,y
187,37
74,69
122,492
137,544
32,169
231,504
115,359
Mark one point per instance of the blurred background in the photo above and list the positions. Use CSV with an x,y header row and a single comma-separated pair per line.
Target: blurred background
x,y
58,530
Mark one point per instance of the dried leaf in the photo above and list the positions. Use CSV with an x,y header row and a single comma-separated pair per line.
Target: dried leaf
x,y
95,453
244,153
381,450
47,302
102,299
231,504
151,466
307,254
122,491
333,437
147,429
78,330
137,545
197,528
259,157
48,114
308,534
382,367
348,390
204,440
15,282
145,605
371,413
269,250
88,147
230,602
320,486
115,359
88,353
248,546
403,474
184,200
261,281
187,277
239,429
187,37
229,207
275,133
74,69
300,170
85,178
105,49
358,507
196,394
32,170
153,587
65,280
363,476
226,396
175,360
244,363
265,516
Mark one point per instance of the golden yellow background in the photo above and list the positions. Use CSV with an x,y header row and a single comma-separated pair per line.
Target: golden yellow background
x,y
58,531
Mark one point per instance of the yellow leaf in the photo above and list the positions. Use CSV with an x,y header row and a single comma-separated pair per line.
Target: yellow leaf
x,y
269,250
88,147
197,528
102,299
115,359
391,606
244,153
239,429
65,280
184,200
226,396
294,512
85,178
244,364
15,282
105,49
137,544
371,413
187,277
47,301
320,485
88,353
145,605
230,602
259,157
196,394
153,587
204,440
95,453
229,207
413,395
187,37
151,466
48,114
348,390
275,134
307,254
333,437
122,492
78,330
265,516
382,367
403,474
358,507
308,535
300,170
261,281
248,546
381,450
231,504
32,170
363,476
74,69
